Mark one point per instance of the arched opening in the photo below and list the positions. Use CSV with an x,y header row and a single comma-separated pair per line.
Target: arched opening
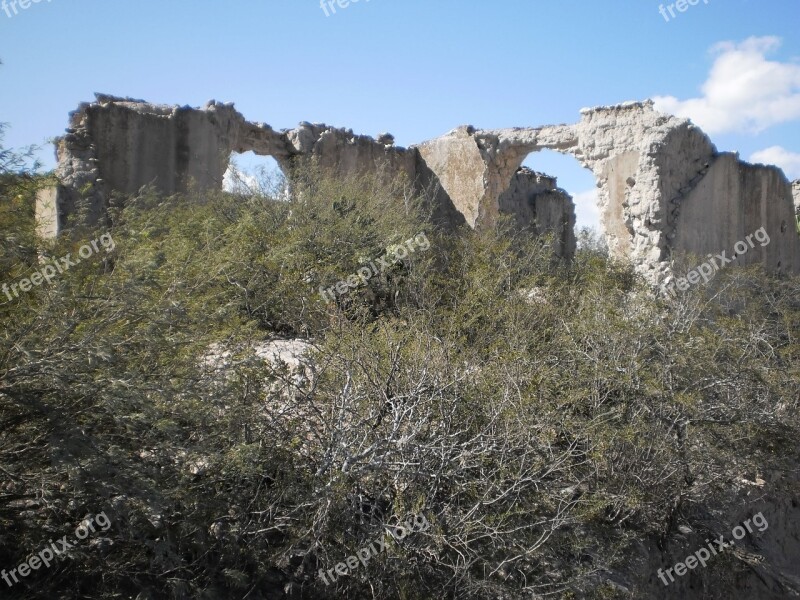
x,y
251,174
578,181
553,193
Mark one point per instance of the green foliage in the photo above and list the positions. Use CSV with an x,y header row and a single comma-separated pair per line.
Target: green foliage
x,y
542,416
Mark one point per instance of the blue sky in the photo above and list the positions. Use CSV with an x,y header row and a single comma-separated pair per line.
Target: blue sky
x,y
415,68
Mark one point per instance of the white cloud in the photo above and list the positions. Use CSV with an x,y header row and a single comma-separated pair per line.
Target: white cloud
x,y
239,182
776,155
744,91
586,212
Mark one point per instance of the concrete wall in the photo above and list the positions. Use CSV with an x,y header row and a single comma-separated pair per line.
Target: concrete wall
x,y
115,146
663,189
534,200
618,176
456,161
739,199
47,212
169,151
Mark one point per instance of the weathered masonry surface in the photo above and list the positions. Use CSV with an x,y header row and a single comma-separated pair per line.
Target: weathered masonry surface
x,y
663,189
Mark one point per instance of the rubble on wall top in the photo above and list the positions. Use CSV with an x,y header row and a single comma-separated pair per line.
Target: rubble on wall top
x,y
644,104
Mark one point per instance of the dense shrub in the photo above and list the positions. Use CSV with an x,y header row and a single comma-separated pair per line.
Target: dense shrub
x,y
542,416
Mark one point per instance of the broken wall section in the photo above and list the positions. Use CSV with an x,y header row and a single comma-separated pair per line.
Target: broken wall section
x,y
640,158
115,146
660,180
739,198
535,200
454,163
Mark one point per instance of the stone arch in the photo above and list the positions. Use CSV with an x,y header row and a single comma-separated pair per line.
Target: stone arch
x,y
660,179
252,173
475,167
573,177
534,198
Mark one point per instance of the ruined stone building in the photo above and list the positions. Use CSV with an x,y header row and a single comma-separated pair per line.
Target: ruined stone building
x,y
663,188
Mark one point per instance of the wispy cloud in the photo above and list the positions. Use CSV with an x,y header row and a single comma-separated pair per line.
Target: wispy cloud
x,y
781,157
237,181
744,92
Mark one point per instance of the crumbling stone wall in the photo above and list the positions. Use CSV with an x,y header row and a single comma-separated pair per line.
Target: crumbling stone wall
x,y
736,199
663,189
475,167
649,168
115,146
534,200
